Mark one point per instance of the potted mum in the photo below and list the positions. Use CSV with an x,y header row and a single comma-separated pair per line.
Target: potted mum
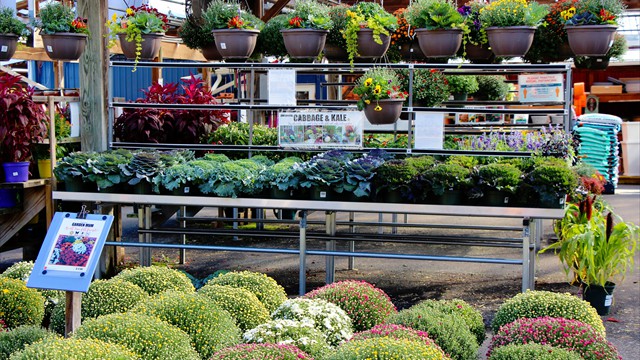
x,y
511,25
404,38
140,30
270,41
235,30
439,26
448,181
63,34
380,95
368,31
306,29
336,45
498,182
10,31
462,85
591,26
430,86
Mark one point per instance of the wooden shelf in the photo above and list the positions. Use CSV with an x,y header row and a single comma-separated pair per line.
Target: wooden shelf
x,y
614,98
25,185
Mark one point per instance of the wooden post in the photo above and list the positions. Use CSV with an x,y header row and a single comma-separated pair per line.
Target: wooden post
x,y
72,312
94,90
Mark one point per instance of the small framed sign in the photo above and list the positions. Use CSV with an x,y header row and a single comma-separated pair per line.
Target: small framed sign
x,y
69,254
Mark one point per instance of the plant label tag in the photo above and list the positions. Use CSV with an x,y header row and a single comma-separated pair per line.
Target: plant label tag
x,y
49,48
4,48
15,173
223,46
608,300
323,194
506,199
186,189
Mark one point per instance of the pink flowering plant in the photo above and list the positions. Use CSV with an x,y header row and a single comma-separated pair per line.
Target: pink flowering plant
x,y
568,334
261,352
364,303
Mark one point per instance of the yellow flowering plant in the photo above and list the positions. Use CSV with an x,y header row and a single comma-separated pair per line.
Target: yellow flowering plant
x,y
503,13
378,84
593,12
367,15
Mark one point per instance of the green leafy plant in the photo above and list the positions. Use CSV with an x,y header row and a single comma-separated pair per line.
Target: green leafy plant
x,y
147,336
20,305
265,288
378,84
534,304
491,87
143,167
434,15
446,176
532,351
500,177
568,334
399,332
393,349
106,169
78,349
228,14
477,33
111,296
75,165
17,339
366,305
270,41
462,84
430,86
9,24
62,128
471,316
324,170
394,175
210,327
552,182
367,15
156,279
282,174
56,17
594,12
448,329
241,303
359,174
136,20
302,334
261,352
503,13
551,36
309,14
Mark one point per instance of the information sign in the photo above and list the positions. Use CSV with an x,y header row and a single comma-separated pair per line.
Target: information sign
x,y
336,129
540,88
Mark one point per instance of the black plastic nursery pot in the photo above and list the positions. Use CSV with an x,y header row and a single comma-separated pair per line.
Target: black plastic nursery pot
x,y
600,297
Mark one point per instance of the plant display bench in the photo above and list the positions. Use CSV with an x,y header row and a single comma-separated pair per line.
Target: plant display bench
x,y
530,229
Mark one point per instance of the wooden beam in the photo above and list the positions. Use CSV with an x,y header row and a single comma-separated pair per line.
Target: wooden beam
x,y
275,10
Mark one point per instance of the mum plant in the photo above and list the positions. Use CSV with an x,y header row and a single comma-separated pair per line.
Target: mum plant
x,y
241,304
491,87
550,40
261,352
532,351
111,296
265,288
339,18
17,339
430,86
20,305
462,84
156,279
504,13
302,334
378,84
394,348
500,177
367,15
79,349
399,332
445,177
136,21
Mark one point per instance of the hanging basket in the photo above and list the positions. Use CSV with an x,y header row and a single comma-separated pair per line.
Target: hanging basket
x,y
439,43
368,48
412,52
335,53
235,43
8,44
389,114
151,44
479,54
304,43
211,53
591,40
510,41
64,46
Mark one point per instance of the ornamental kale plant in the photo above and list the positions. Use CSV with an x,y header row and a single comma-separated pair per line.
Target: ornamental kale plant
x,y
323,170
360,173
568,334
106,169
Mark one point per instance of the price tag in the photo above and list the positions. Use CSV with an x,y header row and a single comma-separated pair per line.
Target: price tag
x,y
49,48
4,48
223,46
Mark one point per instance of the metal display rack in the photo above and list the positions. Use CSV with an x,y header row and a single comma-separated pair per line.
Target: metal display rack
x,y
530,229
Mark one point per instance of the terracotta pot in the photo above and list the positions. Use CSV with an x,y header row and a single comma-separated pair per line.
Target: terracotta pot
x,y
591,40
151,44
389,114
64,46
439,43
211,52
304,43
368,48
510,41
235,43
8,44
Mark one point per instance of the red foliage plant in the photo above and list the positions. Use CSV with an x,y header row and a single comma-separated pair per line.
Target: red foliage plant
x,y
23,122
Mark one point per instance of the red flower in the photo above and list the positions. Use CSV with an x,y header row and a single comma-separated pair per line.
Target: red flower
x,y
235,23
295,21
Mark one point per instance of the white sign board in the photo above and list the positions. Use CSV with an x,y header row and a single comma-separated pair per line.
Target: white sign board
x,y
335,129
540,87
282,87
429,130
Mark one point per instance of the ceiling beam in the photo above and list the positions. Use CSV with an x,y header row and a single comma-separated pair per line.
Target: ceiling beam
x,y
275,9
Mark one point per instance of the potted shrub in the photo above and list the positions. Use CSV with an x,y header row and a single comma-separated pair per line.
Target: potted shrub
x,y
438,26
380,94
551,183
195,35
270,41
63,34
11,29
74,169
598,247
550,42
498,183
22,123
235,30
392,180
336,45
306,29
140,30
106,170
430,86
475,37
368,31
591,26
462,85
447,182
511,25
618,48
404,40
491,87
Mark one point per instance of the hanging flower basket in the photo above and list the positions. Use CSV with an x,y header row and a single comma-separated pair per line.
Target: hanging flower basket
x,y
510,41
479,54
383,112
8,44
304,43
590,40
439,43
211,52
368,48
235,43
335,53
151,44
64,46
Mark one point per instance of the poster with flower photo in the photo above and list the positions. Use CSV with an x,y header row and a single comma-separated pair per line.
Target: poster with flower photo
x,y
472,118
74,245
340,129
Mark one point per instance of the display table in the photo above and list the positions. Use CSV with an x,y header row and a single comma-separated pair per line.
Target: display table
x,y
530,235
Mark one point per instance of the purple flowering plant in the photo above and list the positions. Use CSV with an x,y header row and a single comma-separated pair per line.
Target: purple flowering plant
x,y
470,11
